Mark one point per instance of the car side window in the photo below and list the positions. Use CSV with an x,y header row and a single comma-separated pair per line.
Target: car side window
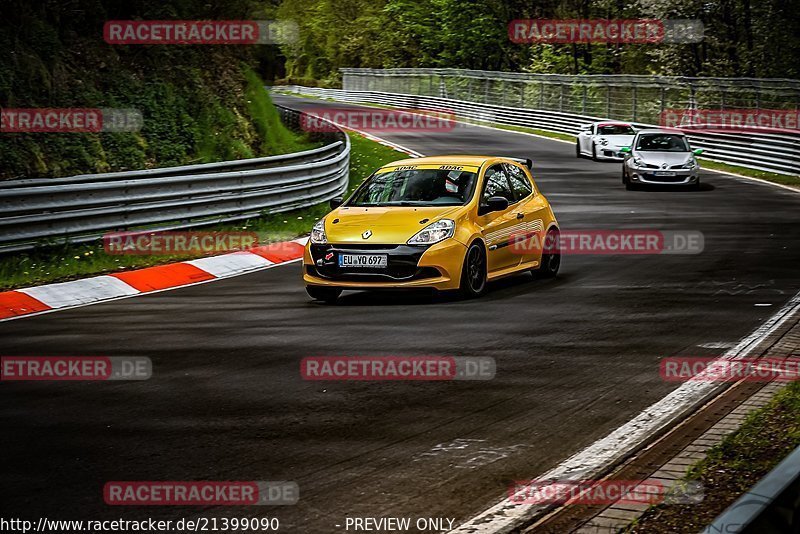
x,y
497,184
519,182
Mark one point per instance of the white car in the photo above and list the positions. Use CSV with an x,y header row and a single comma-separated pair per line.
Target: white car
x,y
603,140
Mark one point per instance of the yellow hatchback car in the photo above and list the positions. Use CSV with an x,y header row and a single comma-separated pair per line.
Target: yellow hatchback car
x,y
443,222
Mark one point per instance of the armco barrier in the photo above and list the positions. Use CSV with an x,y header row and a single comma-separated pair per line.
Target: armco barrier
x,y
82,208
778,153
771,507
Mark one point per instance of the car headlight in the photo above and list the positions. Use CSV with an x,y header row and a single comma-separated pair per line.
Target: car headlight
x,y
318,233
691,164
433,233
603,141
638,163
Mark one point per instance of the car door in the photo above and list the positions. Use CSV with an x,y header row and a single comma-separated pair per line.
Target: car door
x,y
530,214
585,138
497,226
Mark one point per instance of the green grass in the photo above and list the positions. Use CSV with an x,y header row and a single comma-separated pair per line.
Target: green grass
x,y
731,468
68,262
784,179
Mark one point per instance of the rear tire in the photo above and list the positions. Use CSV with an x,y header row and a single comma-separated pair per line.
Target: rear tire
x,y
324,294
551,256
473,272
594,152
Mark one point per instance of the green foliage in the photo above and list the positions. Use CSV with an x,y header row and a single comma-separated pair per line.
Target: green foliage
x,y
199,103
740,38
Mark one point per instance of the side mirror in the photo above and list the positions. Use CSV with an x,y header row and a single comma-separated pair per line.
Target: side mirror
x,y
625,149
697,151
494,204
336,202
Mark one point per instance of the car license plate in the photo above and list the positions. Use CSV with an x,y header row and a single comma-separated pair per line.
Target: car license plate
x,y
664,173
363,260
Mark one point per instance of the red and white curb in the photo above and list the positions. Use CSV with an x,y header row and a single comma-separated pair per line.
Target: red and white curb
x,y
41,299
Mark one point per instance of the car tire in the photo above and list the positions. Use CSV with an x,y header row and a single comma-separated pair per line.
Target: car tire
x,y
473,272
551,261
324,294
627,181
594,152
578,150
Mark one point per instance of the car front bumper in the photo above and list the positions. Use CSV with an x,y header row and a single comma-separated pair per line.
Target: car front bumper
x,y
437,266
648,176
610,153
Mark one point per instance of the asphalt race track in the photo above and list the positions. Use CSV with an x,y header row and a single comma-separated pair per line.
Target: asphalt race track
x,y
576,357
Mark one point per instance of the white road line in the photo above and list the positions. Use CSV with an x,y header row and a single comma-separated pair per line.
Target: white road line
x,y
592,461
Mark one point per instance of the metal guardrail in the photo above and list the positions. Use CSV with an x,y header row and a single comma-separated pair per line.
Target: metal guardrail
x,y
83,208
772,506
778,153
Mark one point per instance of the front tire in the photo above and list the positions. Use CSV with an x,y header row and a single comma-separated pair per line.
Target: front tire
x,y
626,180
473,272
324,294
551,256
594,152
578,150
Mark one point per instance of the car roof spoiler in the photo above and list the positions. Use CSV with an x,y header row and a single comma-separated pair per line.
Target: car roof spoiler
x,y
525,161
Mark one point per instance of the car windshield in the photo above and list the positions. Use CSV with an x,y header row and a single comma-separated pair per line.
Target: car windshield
x,y
615,129
416,187
662,143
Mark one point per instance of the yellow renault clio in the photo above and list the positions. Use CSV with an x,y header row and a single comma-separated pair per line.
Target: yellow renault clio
x,y
443,222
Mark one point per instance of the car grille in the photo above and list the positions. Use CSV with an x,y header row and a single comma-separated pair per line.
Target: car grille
x,y
664,179
372,275
401,264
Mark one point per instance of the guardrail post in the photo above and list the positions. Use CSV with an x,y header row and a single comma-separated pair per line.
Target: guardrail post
x,y
541,95
583,102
